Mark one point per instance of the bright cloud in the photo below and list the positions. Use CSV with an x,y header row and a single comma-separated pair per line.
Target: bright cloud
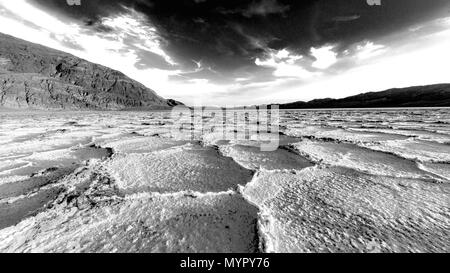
x,y
415,66
284,63
133,23
369,50
25,11
325,57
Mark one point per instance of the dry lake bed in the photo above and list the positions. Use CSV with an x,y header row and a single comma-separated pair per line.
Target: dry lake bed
x,y
340,181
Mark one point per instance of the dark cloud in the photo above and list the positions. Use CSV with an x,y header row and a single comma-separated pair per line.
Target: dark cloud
x,y
258,8
229,35
265,7
346,18
97,26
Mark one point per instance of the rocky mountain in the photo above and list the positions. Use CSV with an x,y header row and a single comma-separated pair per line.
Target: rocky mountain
x,y
419,96
37,77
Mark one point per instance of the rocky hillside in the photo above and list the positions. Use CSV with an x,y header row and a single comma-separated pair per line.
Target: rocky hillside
x,y
37,77
418,96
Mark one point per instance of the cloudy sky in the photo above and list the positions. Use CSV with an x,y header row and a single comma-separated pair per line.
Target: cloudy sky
x,y
241,52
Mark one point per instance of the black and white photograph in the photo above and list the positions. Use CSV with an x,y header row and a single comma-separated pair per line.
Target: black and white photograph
x,y
250,127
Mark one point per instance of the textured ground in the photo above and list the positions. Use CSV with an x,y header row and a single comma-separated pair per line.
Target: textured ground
x,y
341,181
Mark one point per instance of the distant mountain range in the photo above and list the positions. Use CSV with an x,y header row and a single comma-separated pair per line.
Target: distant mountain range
x,y
419,96
37,77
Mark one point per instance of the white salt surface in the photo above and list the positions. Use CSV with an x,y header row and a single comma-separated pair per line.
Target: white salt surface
x,y
341,181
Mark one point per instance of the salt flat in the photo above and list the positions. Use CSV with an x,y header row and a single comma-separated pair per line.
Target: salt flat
x,y
340,181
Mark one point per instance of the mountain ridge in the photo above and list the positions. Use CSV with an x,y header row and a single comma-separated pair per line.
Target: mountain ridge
x,y
436,95
33,76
